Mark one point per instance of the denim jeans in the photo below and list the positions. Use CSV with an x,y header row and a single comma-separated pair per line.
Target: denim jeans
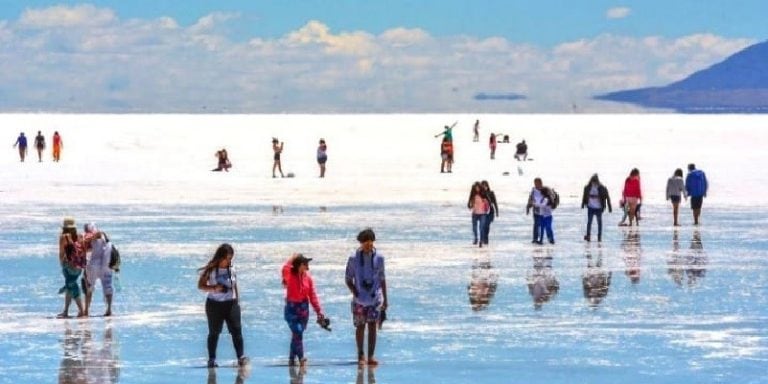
x,y
546,226
487,228
536,226
591,213
478,226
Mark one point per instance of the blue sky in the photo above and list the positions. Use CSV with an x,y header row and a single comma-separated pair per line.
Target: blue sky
x,y
398,55
544,22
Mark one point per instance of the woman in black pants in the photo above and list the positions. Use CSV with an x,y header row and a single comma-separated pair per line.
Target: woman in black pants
x,y
219,280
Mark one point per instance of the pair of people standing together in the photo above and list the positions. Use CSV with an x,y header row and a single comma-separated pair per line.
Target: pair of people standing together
x,y
365,278
482,203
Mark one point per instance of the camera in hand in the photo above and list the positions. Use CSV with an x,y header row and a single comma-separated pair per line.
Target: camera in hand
x,y
324,323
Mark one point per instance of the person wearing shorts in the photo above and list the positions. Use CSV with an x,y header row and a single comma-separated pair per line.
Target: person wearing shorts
x,y
98,269
322,156
365,279
696,185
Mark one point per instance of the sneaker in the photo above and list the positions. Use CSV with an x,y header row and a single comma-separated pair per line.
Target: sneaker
x,y
243,361
212,363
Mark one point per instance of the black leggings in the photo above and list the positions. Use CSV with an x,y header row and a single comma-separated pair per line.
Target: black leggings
x,y
218,312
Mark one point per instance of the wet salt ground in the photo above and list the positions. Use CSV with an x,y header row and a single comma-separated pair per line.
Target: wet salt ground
x,y
697,314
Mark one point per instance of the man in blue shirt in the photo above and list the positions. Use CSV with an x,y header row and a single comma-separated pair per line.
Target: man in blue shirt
x,y
696,186
21,142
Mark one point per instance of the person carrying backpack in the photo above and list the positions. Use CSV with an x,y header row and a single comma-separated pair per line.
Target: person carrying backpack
x,y
596,200
547,203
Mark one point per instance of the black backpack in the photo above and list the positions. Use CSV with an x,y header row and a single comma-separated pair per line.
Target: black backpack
x,y
554,198
114,256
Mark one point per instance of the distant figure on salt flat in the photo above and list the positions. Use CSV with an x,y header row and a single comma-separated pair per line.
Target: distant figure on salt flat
x,y
521,151
21,143
448,132
493,210
632,195
533,197
277,149
479,205
446,155
492,145
223,163
696,185
58,144
40,146
476,131
596,200
322,156
676,193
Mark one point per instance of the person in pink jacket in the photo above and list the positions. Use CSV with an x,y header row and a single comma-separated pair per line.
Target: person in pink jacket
x,y
299,294
632,193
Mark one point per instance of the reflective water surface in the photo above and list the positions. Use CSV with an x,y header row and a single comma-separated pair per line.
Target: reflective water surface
x,y
651,304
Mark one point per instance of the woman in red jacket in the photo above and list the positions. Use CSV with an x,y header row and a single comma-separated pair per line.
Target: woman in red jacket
x,y
632,194
299,294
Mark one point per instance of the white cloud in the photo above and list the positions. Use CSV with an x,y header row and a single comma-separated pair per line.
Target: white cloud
x,y
84,15
155,65
618,12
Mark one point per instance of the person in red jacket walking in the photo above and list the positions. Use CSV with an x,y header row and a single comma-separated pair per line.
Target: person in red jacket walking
x,y
632,194
299,294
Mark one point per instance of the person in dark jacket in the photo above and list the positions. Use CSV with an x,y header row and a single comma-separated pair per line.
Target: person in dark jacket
x,y
696,186
595,199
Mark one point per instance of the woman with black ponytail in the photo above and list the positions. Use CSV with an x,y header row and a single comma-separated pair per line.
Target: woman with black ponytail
x,y
218,279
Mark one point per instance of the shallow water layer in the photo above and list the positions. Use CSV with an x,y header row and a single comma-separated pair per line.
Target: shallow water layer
x,y
680,305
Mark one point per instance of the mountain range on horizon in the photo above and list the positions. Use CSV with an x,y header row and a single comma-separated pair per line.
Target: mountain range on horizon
x,y
738,84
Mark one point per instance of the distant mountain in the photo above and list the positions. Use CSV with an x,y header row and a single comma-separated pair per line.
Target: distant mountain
x,y
498,96
739,84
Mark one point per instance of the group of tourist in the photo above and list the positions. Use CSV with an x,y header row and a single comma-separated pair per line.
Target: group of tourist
x,y
21,144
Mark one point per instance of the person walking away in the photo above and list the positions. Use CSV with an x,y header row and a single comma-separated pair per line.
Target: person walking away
x,y
521,151
493,211
40,146
545,210
596,200
675,193
98,269
632,194
21,143
476,131
277,149
299,294
533,197
322,156
219,280
492,145
58,144
72,261
696,185
366,280
479,205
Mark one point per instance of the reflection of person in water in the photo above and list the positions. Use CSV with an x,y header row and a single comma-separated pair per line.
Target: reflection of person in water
x,y
632,252
85,361
595,279
696,261
542,282
243,373
483,285
296,374
676,262
371,376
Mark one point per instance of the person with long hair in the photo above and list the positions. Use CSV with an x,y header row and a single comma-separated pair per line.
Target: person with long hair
x,y
299,294
219,280
632,194
675,193
72,260
493,211
479,205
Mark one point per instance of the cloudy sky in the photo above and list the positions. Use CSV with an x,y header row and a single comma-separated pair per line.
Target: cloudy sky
x,y
357,56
